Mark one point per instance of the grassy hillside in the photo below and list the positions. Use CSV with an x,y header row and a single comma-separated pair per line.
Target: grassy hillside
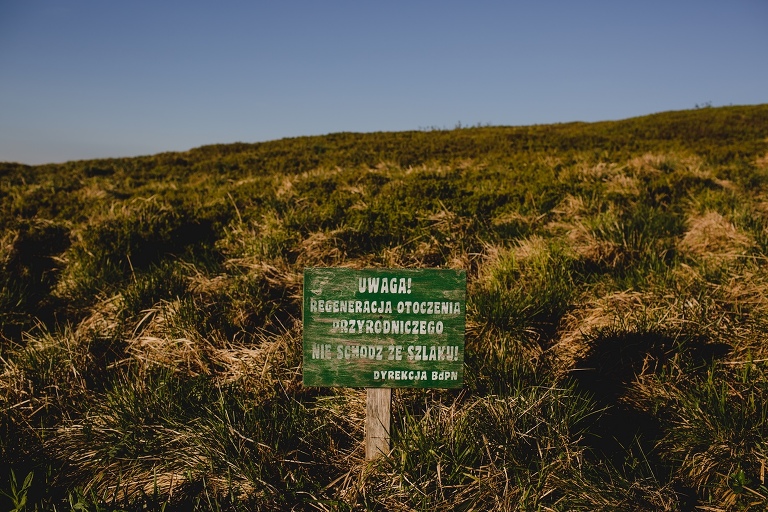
x,y
616,346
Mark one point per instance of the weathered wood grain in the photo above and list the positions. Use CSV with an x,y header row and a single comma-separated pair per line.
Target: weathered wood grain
x,y
377,422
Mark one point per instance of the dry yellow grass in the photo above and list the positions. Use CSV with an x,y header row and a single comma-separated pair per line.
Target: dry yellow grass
x,y
7,243
103,319
595,313
652,163
623,184
93,192
25,392
571,223
587,246
713,238
762,161
320,249
571,207
530,248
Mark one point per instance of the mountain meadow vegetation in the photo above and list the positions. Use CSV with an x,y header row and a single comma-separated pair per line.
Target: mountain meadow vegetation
x,y
616,337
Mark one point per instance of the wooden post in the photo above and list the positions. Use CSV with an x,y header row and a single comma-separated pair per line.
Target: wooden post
x,y
380,329
377,422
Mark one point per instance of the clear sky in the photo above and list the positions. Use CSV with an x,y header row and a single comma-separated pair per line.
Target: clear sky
x,y
106,78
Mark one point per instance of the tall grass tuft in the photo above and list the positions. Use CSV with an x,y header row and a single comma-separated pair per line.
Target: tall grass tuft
x,y
523,293
716,433
520,451
166,435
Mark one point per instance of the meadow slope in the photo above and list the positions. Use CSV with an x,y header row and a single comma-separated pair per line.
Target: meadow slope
x,y
616,347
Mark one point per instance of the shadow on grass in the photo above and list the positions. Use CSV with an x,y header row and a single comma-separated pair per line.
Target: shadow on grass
x,y
625,432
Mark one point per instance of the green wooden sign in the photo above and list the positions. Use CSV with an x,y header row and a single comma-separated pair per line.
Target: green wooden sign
x,y
384,327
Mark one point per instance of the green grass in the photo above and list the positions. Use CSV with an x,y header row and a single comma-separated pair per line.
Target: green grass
x,y
150,333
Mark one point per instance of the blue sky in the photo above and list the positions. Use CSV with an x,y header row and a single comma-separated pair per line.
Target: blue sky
x,y
85,79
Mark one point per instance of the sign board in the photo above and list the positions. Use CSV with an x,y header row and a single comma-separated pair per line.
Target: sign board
x,y
384,328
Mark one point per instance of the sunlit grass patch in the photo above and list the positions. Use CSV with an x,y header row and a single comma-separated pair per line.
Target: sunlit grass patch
x,y
264,361
523,291
163,433
712,237
717,432
617,310
266,239
490,453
